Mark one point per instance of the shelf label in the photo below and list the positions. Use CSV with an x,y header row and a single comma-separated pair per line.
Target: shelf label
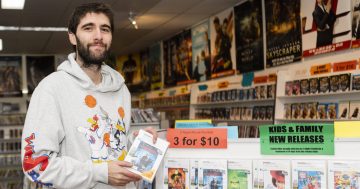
x,y
183,90
272,77
223,84
297,139
347,129
320,69
344,66
260,79
197,138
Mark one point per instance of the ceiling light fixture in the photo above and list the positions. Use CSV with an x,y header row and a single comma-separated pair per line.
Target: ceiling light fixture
x,y
12,4
132,19
1,45
17,28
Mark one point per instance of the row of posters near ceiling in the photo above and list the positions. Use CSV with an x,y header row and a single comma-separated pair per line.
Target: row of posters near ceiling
x,y
233,42
228,43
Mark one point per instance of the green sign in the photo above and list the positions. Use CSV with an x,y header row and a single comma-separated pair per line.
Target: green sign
x,y
297,139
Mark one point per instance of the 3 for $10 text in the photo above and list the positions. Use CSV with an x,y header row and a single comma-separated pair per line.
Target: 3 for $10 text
x,y
209,141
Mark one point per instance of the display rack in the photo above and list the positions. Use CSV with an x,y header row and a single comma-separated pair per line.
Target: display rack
x,y
11,125
285,102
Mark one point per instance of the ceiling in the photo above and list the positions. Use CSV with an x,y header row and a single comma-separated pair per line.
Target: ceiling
x,y
157,20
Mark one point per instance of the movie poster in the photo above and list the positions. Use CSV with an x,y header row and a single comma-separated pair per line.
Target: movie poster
x,y
249,36
178,59
130,68
222,44
201,58
155,66
325,32
145,70
37,68
355,24
10,74
283,32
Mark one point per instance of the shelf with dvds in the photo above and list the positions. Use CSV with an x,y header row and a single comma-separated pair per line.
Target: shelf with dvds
x,y
318,98
226,102
172,104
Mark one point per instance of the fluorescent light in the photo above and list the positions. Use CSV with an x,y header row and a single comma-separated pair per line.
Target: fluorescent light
x,y
17,28
1,46
12,4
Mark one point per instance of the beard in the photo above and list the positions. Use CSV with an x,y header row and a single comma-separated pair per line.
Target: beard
x,y
90,58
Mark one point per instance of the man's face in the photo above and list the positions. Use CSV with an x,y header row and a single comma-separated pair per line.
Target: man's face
x,y
92,39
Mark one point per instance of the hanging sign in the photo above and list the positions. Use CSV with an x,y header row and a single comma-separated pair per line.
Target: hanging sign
x,y
272,77
260,79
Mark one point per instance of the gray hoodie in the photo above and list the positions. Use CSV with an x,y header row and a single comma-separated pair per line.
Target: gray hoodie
x,y
73,127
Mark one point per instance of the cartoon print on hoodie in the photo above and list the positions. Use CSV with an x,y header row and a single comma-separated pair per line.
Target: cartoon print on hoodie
x,y
106,137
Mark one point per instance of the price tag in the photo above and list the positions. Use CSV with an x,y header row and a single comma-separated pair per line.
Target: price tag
x,y
344,66
197,138
320,69
272,77
223,84
260,79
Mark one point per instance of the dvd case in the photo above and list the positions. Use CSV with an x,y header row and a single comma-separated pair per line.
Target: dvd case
x,y
334,83
145,155
212,174
314,85
355,82
344,110
309,174
276,174
194,174
324,84
344,82
176,173
354,110
239,174
344,174
304,86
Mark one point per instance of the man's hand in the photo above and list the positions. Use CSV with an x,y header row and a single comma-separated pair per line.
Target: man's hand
x,y
118,175
151,131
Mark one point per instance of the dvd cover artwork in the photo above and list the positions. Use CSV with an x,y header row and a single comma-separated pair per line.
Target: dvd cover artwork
x,y
344,110
304,86
194,174
262,114
356,82
324,85
287,111
312,106
176,178
269,113
332,110
314,85
322,111
257,92
344,82
263,92
334,83
354,109
288,88
309,179
296,88
256,113
213,178
295,111
271,91
239,174
304,111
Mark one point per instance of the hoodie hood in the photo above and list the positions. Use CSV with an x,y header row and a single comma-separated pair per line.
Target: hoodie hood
x,y
111,80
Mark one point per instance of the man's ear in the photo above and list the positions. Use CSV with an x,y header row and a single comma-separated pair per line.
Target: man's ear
x,y
72,38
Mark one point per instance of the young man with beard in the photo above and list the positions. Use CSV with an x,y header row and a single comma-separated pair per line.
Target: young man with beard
x,y
75,132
